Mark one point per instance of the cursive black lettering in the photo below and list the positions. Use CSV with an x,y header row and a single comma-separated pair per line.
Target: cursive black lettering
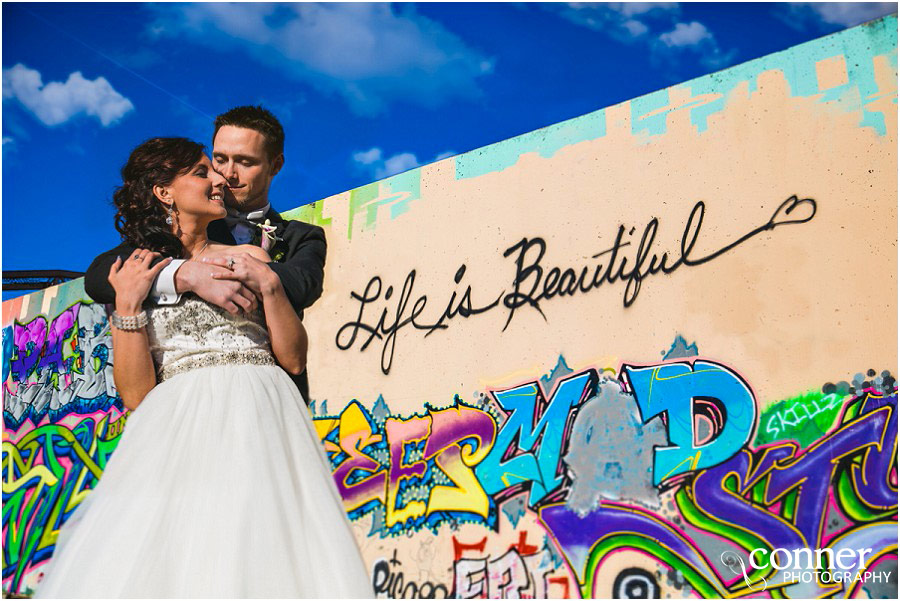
x,y
516,299
367,297
530,287
387,331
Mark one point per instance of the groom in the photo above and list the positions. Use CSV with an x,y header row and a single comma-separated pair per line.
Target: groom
x,y
248,151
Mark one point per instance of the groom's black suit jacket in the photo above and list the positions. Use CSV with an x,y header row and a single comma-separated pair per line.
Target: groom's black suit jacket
x,y
301,269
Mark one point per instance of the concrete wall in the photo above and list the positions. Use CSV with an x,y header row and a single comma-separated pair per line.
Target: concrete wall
x,y
611,357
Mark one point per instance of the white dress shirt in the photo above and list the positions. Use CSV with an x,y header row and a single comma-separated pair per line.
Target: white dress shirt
x,y
163,291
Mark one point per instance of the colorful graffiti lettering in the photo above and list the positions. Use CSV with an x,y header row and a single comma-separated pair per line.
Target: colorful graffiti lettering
x,y
62,420
56,369
557,456
47,473
689,394
807,416
39,346
771,497
522,572
594,503
413,471
529,447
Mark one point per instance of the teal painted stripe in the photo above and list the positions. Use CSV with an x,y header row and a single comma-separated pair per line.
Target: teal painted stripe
x,y
546,141
397,192
69,293
859,46
641,107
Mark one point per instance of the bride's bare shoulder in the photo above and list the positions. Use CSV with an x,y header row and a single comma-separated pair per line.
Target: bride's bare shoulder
x,y
226,250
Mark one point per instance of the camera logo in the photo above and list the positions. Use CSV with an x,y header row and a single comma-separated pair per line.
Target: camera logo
x,y
735,562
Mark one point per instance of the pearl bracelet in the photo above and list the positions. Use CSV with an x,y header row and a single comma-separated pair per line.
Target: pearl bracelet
x,y
129,322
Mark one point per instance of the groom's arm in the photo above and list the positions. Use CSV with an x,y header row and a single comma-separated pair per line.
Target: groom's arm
x,y
97,286
96,279
176,279
303,270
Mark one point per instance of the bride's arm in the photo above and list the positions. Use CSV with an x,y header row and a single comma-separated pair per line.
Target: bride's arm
x,y
286,331
133,370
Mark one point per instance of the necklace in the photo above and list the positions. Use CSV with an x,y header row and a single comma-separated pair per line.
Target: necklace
x,y
201,250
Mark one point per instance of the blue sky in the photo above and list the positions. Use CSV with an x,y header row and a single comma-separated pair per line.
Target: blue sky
x,y
363,90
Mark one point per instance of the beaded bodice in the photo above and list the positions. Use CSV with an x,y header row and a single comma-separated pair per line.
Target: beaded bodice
x,y
194,334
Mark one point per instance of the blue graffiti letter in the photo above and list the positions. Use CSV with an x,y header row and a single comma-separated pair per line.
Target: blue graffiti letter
x,y
533,422
683,393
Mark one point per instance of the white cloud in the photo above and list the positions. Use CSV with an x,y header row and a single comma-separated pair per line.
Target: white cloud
x,y
695,39
640,8
370,54
655,24
846,14
624,21
367,157
397,164
634,27
686,34
372,162
57,102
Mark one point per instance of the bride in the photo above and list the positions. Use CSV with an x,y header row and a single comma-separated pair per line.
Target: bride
x,y
219,486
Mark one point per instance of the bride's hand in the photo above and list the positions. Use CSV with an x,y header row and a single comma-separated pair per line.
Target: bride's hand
x,y
253,273
133,278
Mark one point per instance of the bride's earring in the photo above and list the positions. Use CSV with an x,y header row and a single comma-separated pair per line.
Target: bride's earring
x,y
169,215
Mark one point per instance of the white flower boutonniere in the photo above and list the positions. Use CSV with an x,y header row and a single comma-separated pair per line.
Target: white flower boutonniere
x,y
268,235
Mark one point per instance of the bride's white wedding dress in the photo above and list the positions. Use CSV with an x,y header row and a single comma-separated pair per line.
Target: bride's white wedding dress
x,y
219,486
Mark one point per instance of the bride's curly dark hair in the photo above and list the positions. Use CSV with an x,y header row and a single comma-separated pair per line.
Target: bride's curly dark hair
x,y
140,216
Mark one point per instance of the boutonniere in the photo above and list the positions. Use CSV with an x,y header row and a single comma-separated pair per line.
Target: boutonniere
x,y
270,242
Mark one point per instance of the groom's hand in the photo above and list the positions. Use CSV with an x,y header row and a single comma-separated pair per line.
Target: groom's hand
x,y
249,270
233,296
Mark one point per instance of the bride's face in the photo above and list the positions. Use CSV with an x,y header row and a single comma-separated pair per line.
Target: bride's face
x,y
200,191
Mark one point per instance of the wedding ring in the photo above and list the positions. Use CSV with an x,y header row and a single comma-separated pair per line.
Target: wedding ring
x,y
230,262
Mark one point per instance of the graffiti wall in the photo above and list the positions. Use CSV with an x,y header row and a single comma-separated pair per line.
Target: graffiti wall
x,y
647,352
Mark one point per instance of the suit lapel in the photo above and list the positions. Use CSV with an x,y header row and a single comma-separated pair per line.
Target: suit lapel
x,y
218,232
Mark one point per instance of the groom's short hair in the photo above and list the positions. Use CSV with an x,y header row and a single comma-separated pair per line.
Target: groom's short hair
x,y
256,118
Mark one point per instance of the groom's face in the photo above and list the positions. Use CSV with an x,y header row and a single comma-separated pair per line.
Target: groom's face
x,y
240,155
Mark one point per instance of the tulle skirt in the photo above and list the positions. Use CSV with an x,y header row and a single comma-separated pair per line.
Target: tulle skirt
x,y
218,488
